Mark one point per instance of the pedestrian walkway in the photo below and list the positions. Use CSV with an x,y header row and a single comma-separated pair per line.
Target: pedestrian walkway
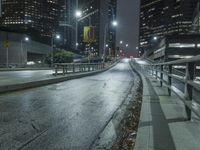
x,y
16,77
19,80
163,121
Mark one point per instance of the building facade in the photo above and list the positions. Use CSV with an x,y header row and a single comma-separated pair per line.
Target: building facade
x,y
99,14
196,19
19,52
174,47
67,23
39,19
159,18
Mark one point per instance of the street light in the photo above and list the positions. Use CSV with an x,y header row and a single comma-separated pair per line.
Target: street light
x,y
26,39
57,36
155,38
127,45
114,24
78,14
121,42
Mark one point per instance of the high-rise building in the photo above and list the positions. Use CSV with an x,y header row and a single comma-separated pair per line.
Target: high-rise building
x,y
34,17
67,23
99,14
162,17
196,19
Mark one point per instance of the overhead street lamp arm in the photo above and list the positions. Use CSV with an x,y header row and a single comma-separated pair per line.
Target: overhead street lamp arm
x,y
88,15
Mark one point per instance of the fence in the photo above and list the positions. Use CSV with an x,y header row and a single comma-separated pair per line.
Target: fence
x,y
65,68
165,73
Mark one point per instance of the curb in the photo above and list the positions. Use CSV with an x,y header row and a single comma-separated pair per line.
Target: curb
x,y
144,92
39,83
108,134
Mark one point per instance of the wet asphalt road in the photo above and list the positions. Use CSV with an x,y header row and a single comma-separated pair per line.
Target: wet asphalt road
x,y
67,116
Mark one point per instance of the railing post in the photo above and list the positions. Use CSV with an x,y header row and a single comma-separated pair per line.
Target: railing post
x,y
152,70
92,67
63,67
89,68
82,67
73,68
170,80
156,68
189,75
149,70
56,70
161,75
79,68
66,69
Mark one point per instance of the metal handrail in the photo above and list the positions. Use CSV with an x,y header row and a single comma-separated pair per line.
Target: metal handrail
x,y
77,67
158,70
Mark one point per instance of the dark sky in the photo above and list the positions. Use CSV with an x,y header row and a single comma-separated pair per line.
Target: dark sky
x,y
128,28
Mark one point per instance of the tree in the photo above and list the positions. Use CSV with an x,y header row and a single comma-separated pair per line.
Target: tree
x,y
60,56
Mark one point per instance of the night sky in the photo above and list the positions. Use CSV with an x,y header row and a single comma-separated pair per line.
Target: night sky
x,y
128,28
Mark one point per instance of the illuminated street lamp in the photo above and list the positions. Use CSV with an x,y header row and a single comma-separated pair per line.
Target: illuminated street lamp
x,y
121,42
155,38
114,24
54,36
57,36
78,14
25,39
127,45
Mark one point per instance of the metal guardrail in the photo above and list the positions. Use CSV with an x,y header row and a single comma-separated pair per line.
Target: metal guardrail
x,y
65,68
160,70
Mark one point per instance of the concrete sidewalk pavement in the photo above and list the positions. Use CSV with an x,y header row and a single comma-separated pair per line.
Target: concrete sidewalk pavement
x,y
163,121
16,77
19,80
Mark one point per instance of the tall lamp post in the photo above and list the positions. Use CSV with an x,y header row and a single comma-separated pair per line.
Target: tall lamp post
x,y
54,36
114,24
26,39
78,14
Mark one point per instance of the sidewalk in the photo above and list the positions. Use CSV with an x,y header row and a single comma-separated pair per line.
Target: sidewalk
x,y
19,80
163,122
16,77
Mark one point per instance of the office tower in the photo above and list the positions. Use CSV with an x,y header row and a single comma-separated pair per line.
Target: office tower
x,y
99,14
162,17
39,19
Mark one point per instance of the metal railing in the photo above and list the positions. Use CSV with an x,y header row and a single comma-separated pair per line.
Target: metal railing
x,y
163,72
66,68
